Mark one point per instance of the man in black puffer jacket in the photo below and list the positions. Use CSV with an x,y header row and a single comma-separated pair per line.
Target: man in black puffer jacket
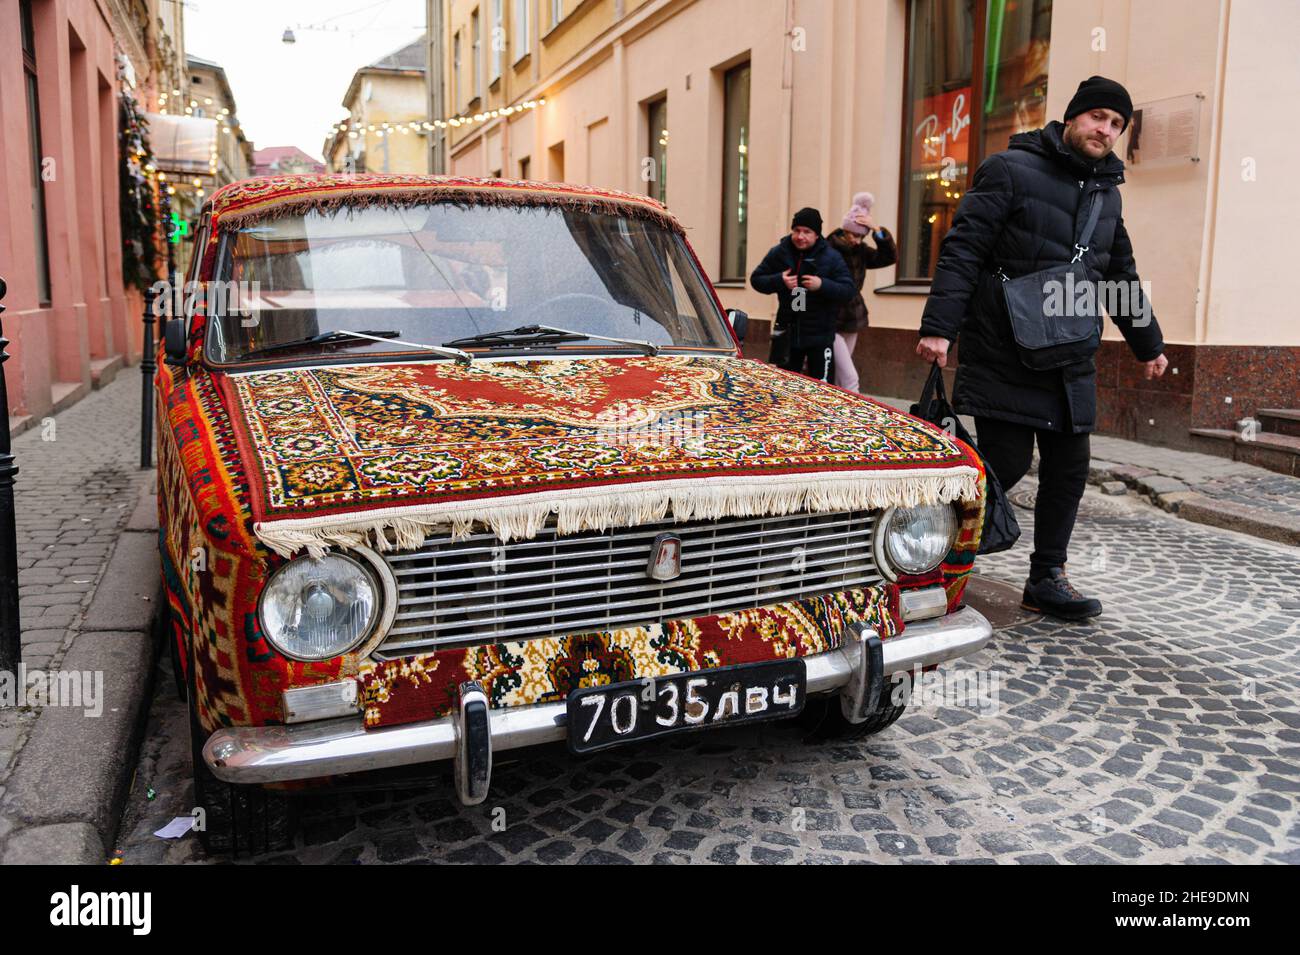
x,y
1023,213
811,281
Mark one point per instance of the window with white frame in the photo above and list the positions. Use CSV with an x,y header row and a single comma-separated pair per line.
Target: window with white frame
x,y
476,41
498,40
455,71
657,138
520,27
735,172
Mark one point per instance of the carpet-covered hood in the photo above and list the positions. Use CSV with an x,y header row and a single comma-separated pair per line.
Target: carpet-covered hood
x,y
384,454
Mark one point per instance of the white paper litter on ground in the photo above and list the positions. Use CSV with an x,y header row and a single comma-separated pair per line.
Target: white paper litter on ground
x,y
176,828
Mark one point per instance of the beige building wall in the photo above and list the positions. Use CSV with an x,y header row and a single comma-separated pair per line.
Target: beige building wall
x,y
826,121
398,100
376,97
1157,49
1251,258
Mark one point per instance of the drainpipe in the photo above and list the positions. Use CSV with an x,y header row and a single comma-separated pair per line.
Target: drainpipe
x,y
437,95
1204,273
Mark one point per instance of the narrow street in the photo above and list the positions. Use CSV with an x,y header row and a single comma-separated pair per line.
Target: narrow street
x,y
1167,731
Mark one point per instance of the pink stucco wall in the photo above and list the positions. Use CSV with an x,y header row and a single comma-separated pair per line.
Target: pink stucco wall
x,y
86,320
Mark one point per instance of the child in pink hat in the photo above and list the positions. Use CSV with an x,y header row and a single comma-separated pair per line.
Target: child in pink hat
x,y
850,241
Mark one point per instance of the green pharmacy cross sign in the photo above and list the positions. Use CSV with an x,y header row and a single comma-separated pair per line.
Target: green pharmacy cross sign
x,y
180,229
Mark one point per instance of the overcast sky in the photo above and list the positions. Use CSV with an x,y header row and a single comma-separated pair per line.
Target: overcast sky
x,y
290,94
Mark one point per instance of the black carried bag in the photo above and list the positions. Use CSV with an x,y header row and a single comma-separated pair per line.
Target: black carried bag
x,y
1001,529
1045,340
779,353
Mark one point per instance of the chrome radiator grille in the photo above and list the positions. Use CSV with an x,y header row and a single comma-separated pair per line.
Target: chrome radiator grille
x,y
478,590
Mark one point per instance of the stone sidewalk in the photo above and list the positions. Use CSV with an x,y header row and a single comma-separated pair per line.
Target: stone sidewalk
x,y
1197,487
1202,488
87,578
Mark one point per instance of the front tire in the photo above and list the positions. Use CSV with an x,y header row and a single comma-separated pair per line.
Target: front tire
x,y
168,633
827,722
235,819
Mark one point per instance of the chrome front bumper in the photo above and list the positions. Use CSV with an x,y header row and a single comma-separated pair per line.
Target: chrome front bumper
x,y
266,754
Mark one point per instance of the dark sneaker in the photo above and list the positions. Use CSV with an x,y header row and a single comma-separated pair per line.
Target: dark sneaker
x,y
1055,595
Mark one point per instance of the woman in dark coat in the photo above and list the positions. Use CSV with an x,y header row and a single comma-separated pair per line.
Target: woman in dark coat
x,y
850,241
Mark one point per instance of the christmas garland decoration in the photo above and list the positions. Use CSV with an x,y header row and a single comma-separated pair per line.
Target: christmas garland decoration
x,y
139,211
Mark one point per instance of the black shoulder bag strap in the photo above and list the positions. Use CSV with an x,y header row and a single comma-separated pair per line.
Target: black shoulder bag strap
x,y
1085,235
1094,213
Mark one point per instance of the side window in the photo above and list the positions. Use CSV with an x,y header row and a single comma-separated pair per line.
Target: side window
x,y
200,241
192,290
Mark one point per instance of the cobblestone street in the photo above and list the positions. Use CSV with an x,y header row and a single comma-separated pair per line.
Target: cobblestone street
x,y
1166,731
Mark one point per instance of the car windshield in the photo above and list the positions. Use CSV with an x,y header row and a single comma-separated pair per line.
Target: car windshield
x,y
438,273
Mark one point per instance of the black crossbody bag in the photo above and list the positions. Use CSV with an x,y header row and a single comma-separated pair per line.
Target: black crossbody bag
x,y
1045,340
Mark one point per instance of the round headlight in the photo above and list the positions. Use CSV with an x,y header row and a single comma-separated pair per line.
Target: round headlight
x,y
915,539
317,608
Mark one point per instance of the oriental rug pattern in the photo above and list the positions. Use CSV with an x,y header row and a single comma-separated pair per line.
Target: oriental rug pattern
x,y
524,673
382,454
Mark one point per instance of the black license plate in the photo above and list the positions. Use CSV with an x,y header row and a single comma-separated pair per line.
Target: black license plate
x,y
603,716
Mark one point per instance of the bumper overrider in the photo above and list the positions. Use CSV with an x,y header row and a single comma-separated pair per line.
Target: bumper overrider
x,y
345,729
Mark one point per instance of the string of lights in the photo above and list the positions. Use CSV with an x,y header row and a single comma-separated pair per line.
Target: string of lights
x,y
165,103
169,183
225,123
354,130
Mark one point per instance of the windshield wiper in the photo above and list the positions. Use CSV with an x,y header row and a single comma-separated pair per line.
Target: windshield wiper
x,y
526,335
335,337
649,348
545,335
341,335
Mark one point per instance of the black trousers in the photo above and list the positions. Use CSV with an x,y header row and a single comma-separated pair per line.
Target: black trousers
x,y
815,362
1062,474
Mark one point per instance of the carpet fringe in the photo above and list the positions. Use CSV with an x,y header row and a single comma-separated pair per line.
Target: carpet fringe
x,y
383,195
596,509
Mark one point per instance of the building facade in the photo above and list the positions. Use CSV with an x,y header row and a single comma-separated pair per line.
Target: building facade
x,y
211,98
198,145
63,65
386,128
738,112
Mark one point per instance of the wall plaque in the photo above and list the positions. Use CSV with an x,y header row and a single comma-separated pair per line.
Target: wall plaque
x,y
1166,131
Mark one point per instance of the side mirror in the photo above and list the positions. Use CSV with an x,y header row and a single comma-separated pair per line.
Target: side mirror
x,y
739,322
174,343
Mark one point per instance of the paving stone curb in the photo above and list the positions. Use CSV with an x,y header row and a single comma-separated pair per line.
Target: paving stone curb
x,y
1177,497
126,597
1240,517
76,767
1171,481
65,795
63,843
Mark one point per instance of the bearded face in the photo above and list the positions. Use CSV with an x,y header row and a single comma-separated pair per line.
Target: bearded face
x,y
1092,134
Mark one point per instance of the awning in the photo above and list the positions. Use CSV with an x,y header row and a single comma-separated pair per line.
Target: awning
x,y
183,144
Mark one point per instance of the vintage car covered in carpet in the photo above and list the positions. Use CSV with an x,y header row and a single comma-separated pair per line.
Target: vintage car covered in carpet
x,y
477,464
